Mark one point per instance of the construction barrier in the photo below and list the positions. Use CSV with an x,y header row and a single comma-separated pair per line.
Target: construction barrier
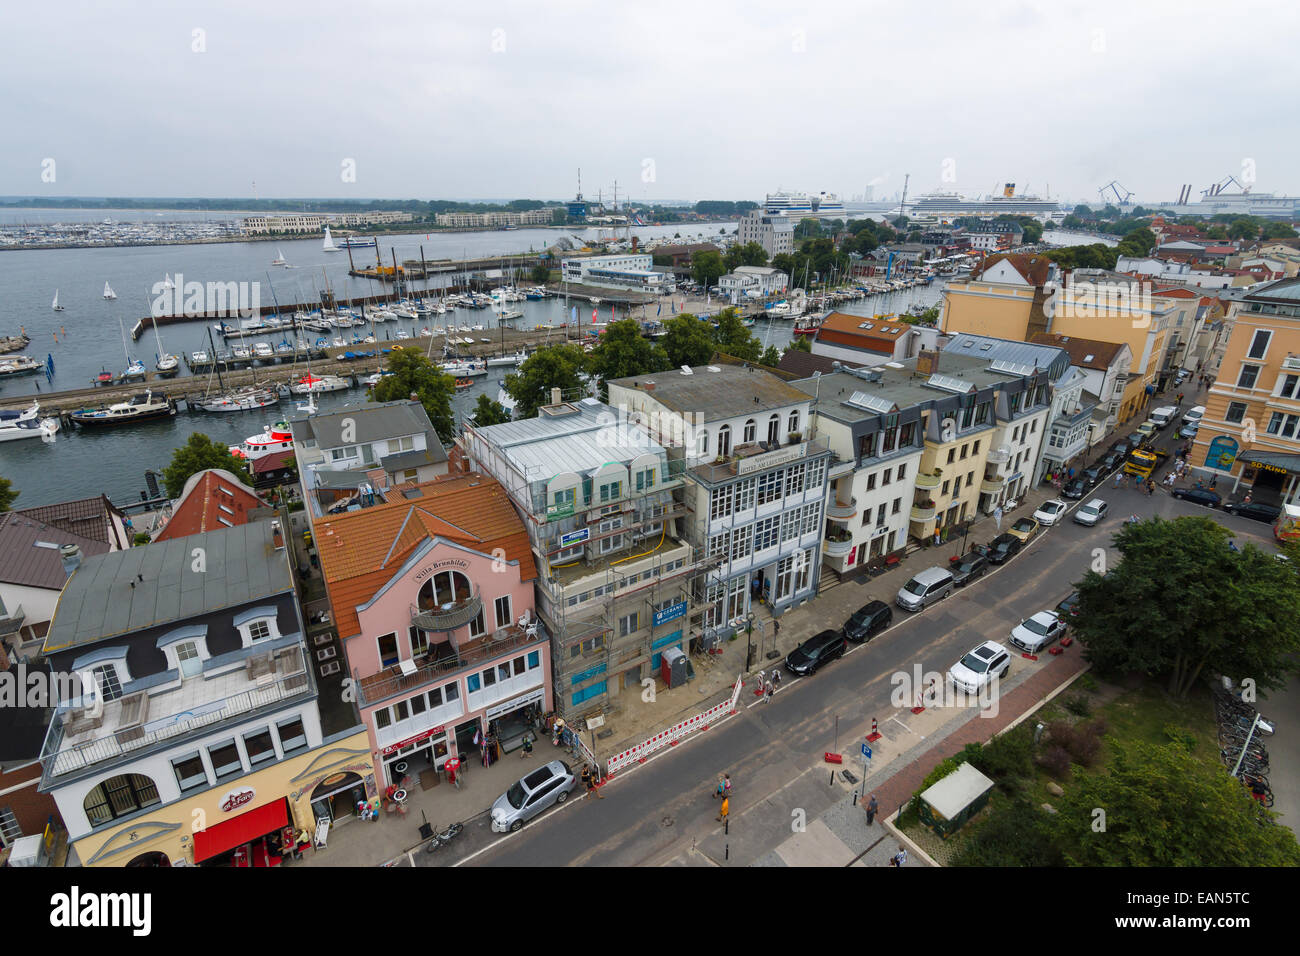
x,y
670,737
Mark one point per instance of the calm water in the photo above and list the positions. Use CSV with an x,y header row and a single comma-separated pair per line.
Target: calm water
x,y
113,462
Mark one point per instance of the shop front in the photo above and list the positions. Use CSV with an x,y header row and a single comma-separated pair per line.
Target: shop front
x,y
253,838
336,797
413,758
1272,477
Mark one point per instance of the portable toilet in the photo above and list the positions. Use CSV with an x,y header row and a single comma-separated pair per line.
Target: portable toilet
x,y
672,668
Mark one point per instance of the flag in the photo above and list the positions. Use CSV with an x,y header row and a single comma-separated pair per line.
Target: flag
x,y
573,314
659,310
593,314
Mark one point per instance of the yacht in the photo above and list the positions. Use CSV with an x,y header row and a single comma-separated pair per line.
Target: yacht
x,y
56,307
263,350
27,424
279,259
242,400
16,365
139,408
277,437
328,244
168,366
108,292
500,360
311,384
135,371
463,369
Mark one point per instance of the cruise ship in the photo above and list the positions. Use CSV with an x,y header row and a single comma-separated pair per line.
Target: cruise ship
x,y
782,203
951,205
1263,205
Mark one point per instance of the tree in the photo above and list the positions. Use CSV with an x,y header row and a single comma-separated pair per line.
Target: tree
x,y
1166,807
540,274
801,344
1181,604
1083,212
808,228
624,351
489,412
556,366
734,338
199,453
413,374
7,495
1243,228
771,357
1216,231
750,254
707,267
688,341
1278,230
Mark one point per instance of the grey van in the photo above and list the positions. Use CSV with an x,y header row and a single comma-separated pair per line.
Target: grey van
x,y
923,590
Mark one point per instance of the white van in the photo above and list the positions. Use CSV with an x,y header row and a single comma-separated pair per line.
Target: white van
x,y
924,589
1164,415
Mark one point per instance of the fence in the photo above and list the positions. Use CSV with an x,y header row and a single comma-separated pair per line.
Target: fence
x,y
670,737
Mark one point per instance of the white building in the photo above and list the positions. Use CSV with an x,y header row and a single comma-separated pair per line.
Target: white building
x,y
775,233
617,272
753,282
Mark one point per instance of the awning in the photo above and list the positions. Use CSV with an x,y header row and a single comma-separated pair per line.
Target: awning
x,y
1273,460
242,829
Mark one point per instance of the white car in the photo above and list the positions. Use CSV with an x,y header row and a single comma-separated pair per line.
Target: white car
x,y
1037,632
1050,512
1091,513
974,671
1194,415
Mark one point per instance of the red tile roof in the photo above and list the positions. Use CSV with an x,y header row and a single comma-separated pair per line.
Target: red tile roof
x,y
840,328
215,500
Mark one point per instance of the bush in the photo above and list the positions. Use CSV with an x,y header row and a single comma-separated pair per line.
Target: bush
x,y
140,538
1078,705
1087,682
1008,756
1015,834
1180,737
1056,761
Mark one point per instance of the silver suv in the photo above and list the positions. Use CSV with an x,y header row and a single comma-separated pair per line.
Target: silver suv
x,y
531,795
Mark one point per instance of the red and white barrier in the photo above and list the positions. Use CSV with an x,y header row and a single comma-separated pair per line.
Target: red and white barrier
x,y
670,737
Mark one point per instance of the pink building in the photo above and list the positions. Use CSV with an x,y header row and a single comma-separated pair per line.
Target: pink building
x,y
432,593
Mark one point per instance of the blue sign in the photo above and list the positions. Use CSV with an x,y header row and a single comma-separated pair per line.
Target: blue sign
x,y
1222,453
573,537
866,751
670,613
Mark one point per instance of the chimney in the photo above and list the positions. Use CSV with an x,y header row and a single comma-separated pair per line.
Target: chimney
x,y
927,361
276,536
70,554
555,396
415,397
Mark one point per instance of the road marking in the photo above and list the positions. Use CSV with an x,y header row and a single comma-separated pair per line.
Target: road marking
x,y
411,857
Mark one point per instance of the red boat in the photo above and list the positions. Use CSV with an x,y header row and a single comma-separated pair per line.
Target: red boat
x,y
808,331
104,378
464,382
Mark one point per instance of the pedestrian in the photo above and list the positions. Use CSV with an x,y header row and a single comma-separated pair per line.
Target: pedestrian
x,y
899,858
1151,487
591,779
718,792
776,629
767,690
1180,398
1119,479
1246,500
1071,474
724,811
872,807
726,785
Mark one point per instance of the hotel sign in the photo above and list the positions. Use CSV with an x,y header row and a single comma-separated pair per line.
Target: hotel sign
x,y
237,798
772,458
451,563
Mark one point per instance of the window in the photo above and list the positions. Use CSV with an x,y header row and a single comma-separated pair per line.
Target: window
x,y
741,540
774,430
724,441
976,449
476,628
944,489
880,516
120,796
720,501
816,471
293,736
565,498
190,772
259,630
400,444
259,746
871,481
812,517
952,454
387,650
611,491
766,533
445,587
898,505
751,432
502,608
794,480
1249,374
769,488
1236,413
645,479
970,478
902,472
107,682
629,624
964,449
886,477
1283,425
1259,344
791,524
744,495
792,423
1288,387
419,642
225,759
187,654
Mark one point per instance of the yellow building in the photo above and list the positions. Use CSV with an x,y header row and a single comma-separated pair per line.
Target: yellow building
x,y
1018,295
1249,439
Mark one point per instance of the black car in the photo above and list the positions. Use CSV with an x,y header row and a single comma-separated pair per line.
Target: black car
x,y
971,566
1253,509
1003,547
868,621
1069,606
1093,475
814,652
1110,461
1075,488
1200,496
1123,447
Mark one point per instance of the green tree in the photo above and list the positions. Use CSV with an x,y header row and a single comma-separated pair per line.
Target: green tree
x,y
1243,228
707,267
1278,230
750,254
556,366
801,344
1216,231
785,262
771,357
1166,807
733,338
1083,212
199,453
1181,604
414,374
688,341
808,228
488,411
7,495
624,351
540,274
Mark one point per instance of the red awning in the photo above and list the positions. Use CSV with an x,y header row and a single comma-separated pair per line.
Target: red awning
x,y
242,829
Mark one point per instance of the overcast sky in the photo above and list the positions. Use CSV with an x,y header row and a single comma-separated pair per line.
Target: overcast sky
x,y
674,100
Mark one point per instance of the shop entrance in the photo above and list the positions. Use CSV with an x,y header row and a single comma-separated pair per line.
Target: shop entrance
x,y
465,745
1267,486
335,798
405,765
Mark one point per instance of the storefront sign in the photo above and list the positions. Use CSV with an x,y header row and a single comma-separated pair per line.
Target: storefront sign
x,y
237,798
534,695
670,613
772,458
573,537
393,748
454,563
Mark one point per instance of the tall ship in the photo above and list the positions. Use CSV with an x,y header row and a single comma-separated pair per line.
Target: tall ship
x,y
951,205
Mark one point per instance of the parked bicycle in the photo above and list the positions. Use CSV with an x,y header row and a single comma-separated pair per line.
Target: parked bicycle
x,y
445,837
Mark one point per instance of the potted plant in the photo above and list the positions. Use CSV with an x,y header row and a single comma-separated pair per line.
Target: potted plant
x,y
794,437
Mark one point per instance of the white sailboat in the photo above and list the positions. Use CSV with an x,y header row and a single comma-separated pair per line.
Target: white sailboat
x,y
328,245
279,259
108,292
55,306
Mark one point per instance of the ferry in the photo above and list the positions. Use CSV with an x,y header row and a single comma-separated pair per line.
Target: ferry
x,y
139,408
357,242
277,437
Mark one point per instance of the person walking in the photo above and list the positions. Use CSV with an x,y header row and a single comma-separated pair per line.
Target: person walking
x,y
899,858
726,785
767,690
591,780
872,807
719,791
1119,479
1151,487
725,811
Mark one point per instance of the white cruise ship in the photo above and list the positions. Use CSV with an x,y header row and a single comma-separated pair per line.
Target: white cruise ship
x,y
782,203
950,205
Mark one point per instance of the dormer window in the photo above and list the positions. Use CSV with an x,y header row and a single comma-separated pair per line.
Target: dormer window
x,y
102,673
256,625
185,649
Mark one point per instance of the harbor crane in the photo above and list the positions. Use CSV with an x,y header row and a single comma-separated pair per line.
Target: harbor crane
x,y
1218,187
1122,195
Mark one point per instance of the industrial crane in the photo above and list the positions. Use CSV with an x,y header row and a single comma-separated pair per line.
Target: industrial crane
x,y
1218,187
1117,188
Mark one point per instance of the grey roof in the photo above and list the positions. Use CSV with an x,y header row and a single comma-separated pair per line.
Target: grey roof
x,y
1287,290
343,480
126,591
583,438
434,454
1056,360
88,517
25,555
375,421
716,391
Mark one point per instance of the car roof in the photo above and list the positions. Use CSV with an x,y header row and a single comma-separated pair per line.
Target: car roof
x,y
1004,537
872,607
1045,617
1023,521
1057,502
1095,503
988,649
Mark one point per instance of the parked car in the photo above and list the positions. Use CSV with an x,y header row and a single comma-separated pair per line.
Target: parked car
x,y
530,795
1189,430
1093,474
971,566
1091,512
1123,447
1163,416
1004,546
1075,488
1110,461
1024,529
1194,415
1068,607
816,651
868,621
1144,431
1049,512
1200,496
1035,633
974,670
928,586
1256,510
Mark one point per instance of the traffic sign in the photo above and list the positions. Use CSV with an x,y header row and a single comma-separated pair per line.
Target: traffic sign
x,y
866,751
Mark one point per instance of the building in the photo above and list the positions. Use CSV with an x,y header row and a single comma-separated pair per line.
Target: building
x,y
996,235
863,340
24,810
497,220
35,561
614,572
755,480
680,254
616,272
1105,369
1249,438
211,499
428,591
316,222
191,698
774,232
360,449
753,282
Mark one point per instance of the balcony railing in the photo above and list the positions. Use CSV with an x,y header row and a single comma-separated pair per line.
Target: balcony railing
x,y
923,512
726,470
11,620
928,482
991,486
842,511
1000,455
837,549
449,616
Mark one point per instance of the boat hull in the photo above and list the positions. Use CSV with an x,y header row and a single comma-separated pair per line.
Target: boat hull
x,y
93,421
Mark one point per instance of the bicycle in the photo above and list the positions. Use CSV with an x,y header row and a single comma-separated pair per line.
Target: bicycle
x,y
445,837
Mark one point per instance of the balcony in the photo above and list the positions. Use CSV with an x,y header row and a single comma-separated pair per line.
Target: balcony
x,y
923,512
838,546
11,621
993,485
753,458
1000,455
449,616
927,481
840,511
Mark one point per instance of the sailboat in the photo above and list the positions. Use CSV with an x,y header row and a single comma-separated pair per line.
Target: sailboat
x,y
168,365
108,292
328,245
56,307
279,259
135,370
